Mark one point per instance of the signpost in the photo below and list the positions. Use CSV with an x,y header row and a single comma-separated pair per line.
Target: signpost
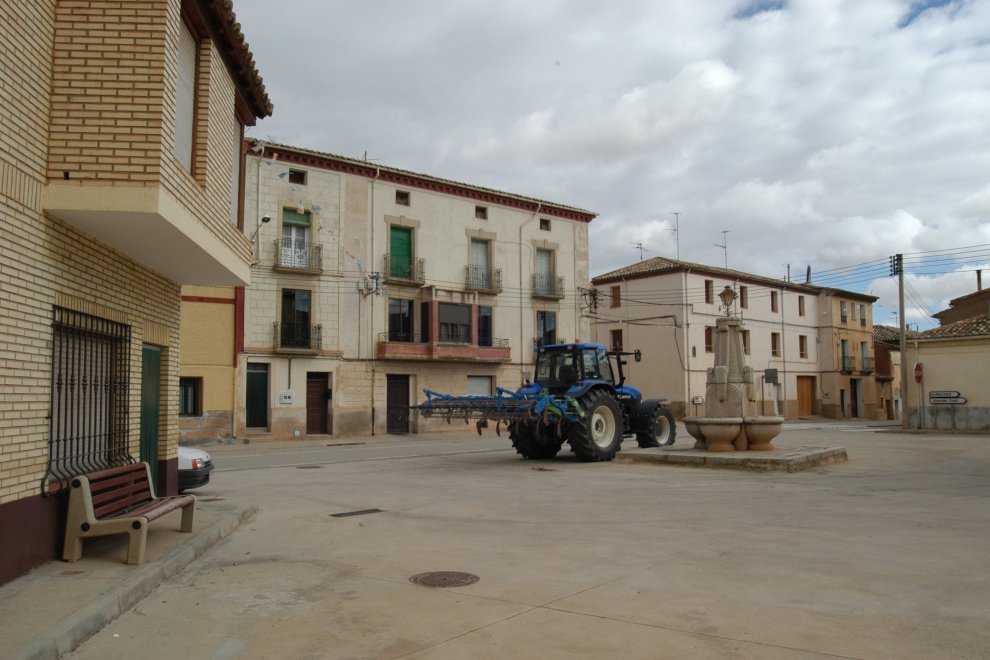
x,y
945,396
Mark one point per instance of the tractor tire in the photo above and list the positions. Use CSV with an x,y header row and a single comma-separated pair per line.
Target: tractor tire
x,y
598,435
529,444
661,431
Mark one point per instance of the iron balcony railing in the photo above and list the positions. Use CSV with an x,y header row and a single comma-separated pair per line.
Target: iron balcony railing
x,y
415,338
299,255
548,286
848,361
867,365
405,270
298,336
483,278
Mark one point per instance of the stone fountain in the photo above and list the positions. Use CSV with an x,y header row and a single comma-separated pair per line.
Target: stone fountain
x,y
730,422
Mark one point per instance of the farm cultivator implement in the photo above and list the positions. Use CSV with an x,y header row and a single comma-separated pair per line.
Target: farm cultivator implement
x,y
575,398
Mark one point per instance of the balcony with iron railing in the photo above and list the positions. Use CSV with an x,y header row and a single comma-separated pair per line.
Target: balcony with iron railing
x,y
848,364
454,347
405,271
297,337
298,257
483,279
866,365
548,287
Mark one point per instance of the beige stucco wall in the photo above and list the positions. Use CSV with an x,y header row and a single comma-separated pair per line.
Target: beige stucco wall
x,y
954,365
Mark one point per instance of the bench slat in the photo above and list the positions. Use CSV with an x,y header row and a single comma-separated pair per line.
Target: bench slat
x,y
154,509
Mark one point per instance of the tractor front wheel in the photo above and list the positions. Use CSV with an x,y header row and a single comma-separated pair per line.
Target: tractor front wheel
x,y
661,430
528,443
597,436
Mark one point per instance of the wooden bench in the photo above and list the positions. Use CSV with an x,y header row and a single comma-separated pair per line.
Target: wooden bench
x,y
119,500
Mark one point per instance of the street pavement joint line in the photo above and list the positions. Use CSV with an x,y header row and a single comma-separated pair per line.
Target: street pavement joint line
x,y
360,460
473,630
697,633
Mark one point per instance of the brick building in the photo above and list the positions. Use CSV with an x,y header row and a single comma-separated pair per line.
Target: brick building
x,y
120,170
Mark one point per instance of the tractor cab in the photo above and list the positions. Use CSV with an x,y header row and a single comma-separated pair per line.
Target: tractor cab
x,y
559,367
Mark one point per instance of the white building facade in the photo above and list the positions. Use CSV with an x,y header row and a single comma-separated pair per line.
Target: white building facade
x,y
371,284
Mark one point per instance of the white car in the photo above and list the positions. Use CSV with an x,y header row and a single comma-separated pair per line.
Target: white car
x,y
195,466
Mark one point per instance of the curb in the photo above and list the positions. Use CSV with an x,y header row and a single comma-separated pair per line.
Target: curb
x,y
66,635
791,460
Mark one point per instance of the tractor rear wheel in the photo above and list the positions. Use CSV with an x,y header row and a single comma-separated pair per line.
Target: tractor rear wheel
x,y
529,443
661,430
598,435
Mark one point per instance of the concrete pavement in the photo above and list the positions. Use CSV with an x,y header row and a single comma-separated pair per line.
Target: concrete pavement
x,y
883,556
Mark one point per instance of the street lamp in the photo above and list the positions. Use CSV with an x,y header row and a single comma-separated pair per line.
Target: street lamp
x,y
727,296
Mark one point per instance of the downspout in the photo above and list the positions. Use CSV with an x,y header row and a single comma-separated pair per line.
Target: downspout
x,y
684,332
522,288
371,319
783,358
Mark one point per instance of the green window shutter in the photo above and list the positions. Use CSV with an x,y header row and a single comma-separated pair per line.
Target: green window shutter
x,y
400,251
290,217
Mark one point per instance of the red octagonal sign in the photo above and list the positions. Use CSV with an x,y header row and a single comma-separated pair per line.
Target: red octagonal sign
x,y
917,372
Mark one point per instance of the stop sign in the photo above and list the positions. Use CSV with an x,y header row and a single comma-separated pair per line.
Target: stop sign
x,y
917,372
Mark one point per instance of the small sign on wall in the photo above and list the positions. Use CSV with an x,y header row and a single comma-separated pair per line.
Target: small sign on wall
x,y
286,397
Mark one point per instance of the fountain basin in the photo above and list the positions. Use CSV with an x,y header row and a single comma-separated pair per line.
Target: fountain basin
x,y
760,430
716,432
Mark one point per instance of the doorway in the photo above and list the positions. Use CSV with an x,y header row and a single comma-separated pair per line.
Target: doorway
x,y
318,397
806,395
397,404
151,387
256,401
854,397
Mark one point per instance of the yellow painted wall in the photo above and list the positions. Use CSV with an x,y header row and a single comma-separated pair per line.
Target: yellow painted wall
x,y
207,331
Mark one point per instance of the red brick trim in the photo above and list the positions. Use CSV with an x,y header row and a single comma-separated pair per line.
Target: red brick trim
x,y
207,299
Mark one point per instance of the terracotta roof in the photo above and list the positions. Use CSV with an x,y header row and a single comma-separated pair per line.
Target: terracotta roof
x,y
978,326
290,154
886,334
231,43
658,265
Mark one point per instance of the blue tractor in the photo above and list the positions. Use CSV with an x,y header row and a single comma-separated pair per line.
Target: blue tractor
x,y
575,397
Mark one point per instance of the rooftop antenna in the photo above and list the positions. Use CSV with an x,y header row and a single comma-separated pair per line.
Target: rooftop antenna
x,y
639,246
677,232
725,247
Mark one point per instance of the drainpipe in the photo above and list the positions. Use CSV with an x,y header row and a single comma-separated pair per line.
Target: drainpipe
x,y
522,287
371,318
684,333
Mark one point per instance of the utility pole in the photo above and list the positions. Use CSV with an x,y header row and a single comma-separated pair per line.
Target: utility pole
x,y
897,268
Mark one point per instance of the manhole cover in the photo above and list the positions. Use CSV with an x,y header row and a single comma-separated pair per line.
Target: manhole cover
x,y
444,579
308,467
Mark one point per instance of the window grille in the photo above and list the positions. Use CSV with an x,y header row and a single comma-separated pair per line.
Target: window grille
x,y
88,428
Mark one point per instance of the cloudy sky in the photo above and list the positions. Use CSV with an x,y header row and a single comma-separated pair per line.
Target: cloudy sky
x,y
821,133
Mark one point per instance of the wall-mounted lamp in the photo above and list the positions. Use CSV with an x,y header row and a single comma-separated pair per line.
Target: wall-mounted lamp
x,y
265,219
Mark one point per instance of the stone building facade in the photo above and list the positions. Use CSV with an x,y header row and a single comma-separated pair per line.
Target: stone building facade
x,y
115,189
372,283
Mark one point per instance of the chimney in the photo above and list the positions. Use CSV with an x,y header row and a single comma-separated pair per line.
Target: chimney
x,y
979,280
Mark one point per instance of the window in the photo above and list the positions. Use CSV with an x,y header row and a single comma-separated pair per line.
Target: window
x,y
484,326
297,177
90,397
803,346
864,355
545,224
709,291
775,344
481,212
862,315
295,249
455,323
190,397
745,340
479,386
185,98
296,331
546,328
616,339
616,300
481,273
744,297
773,301
402,198
853,311
400,320
709,339
545,284
800,305
400,252
842,311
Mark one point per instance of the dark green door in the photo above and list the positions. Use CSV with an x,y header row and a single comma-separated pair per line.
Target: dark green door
x,y
400,252
257,396
151,386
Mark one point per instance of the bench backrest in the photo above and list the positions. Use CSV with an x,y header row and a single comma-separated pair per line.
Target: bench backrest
x,y
119,489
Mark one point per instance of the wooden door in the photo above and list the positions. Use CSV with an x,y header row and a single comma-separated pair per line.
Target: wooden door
x,y
806,395
397,404
151,386
257,396
317,403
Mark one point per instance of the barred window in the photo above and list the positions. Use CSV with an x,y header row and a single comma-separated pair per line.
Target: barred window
x,y
89,397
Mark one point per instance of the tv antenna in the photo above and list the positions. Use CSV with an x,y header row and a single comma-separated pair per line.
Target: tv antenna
x,y
677,232
725,247
639,246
